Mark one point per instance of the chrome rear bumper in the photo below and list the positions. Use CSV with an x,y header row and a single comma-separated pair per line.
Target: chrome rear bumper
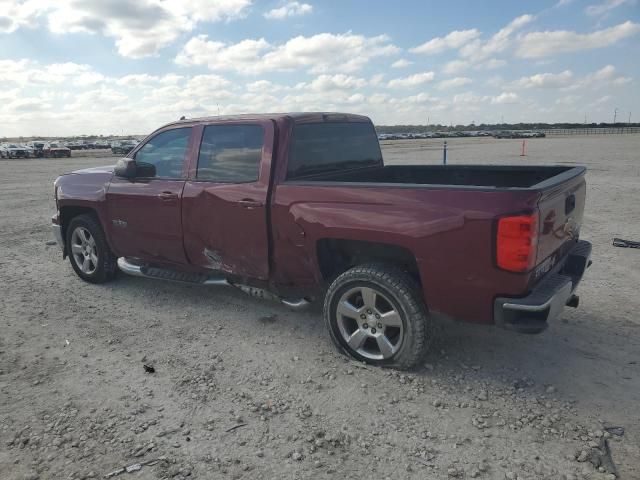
x,y
532,314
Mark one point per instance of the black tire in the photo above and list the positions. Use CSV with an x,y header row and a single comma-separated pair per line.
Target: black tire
x,y
106,266
402,294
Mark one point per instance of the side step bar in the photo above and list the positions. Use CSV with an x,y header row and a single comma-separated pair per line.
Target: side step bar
x,y
195,278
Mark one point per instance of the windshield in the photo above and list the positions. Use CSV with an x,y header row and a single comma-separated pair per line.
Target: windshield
x,y
330,146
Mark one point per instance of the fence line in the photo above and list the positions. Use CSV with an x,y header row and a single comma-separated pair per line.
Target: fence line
x,y
592,131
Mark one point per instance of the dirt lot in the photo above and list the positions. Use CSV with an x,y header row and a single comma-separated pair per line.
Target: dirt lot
x,y
248,389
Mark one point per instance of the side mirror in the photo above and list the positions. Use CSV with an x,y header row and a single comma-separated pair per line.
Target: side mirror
x,y
125,168
129,168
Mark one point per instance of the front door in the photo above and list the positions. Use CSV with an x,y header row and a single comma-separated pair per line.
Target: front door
x,y
225,200
145,213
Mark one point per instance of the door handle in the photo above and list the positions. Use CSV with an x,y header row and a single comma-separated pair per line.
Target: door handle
x,y
168,196
249,203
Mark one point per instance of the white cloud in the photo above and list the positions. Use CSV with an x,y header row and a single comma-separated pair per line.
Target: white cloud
x,y
291,9
17,14
325,83
600,101
319,53
403,62
479,50
411,80
606,6
456,66
480,54
567,100
377,79
505,98
206,85
546,80
454,83
263,86
452,40
469,98
27,72
140,28
542,44
607,76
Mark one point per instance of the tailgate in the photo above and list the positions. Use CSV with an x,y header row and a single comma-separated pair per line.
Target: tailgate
x,y
561,209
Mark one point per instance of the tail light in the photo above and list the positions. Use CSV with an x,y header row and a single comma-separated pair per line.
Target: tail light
x,y
517,242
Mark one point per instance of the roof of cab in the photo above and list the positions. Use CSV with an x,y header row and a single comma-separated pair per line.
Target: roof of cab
x,y
297,117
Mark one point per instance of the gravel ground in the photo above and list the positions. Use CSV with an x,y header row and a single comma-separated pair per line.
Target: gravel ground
x,y
248,389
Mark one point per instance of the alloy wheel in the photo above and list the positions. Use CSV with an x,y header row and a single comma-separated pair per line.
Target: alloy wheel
x,y
84,251
369,323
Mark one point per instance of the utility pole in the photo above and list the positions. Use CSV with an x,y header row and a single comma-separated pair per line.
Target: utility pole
x,y
629,122
615,115
585,118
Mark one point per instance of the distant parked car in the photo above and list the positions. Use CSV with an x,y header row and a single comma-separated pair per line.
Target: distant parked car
x,y
123,147
12,150
101,145
36,147
74,145
56,150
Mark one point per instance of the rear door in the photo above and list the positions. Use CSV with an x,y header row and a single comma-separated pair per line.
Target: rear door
x,y
145,213
225,199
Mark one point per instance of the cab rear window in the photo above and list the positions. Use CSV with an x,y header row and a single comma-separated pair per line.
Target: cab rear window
x,y
318,148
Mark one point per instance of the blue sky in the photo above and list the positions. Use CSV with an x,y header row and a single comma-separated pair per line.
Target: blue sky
x,y
124,66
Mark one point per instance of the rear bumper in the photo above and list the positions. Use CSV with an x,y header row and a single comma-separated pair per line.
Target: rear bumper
x,y
532,314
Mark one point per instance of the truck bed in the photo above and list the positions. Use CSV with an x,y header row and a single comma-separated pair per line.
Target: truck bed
x,y
470,176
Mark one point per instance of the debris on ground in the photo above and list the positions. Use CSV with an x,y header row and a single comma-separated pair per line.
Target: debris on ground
x,y
619,242
134,467
617,431
149,368
235,426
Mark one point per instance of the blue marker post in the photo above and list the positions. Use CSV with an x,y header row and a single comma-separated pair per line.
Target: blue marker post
x,y
444,153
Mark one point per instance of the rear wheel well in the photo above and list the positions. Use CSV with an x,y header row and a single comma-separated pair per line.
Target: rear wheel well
x,y
336,256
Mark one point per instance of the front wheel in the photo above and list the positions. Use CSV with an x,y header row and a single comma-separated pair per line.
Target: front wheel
x,y
88,251
376,314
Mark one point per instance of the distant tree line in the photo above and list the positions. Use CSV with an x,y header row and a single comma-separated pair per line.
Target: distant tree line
x,y
495,126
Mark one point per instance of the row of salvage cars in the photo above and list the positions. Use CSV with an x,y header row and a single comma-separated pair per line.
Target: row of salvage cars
x,y
34,150
457,134
39,149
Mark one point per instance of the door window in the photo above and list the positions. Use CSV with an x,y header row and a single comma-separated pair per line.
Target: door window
x,y
230,153
166,152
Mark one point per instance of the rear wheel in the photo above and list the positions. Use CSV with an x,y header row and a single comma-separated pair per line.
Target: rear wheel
x,y
88,251
376,314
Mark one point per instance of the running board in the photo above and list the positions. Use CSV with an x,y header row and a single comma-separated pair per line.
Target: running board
x,y
196,278
168,274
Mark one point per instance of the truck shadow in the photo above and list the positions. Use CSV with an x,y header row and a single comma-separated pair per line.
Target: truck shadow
x,y
578,355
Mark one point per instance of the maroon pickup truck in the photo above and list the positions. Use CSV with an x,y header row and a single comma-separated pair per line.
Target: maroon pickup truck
x,y
301,207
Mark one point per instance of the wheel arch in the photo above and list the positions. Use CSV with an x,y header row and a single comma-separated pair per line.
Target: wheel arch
x,y
336,255
69,212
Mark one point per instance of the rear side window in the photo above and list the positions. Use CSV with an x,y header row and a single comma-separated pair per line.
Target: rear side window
x,y
230,153
327,147
166,151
